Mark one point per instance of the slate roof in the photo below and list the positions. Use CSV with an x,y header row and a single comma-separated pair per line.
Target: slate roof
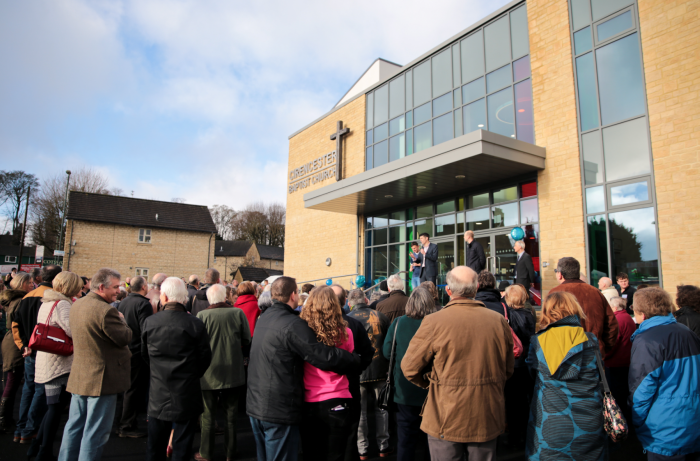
x,y
128,211
232,247
269,252
256,274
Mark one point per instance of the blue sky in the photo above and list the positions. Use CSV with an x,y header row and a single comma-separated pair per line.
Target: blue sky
x,y
192,99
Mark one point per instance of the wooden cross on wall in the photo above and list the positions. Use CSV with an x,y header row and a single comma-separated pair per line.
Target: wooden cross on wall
x,y
337,137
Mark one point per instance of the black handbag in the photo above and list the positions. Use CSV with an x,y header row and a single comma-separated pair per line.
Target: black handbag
x,y
385,401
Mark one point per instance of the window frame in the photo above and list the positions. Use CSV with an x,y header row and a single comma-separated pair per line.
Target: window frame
x,y
13,261
141,272
147,234
620,34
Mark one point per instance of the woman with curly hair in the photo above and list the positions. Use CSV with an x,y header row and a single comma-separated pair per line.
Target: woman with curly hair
x,y
326,416
688,302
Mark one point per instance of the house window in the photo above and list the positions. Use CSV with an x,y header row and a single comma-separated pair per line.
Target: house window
x,y
10,259
142,271
277,263
144,235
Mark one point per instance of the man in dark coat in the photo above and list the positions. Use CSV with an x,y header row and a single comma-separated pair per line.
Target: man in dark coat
x,y
524,269
429,251
200,302
176,345
192,288
395,305
488,294
283,341
626,291
476,258
136,308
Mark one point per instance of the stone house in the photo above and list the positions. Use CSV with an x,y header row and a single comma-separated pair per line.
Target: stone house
x,y
229,255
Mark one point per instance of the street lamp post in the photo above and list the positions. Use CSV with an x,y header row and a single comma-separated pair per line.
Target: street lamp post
x,y
61,244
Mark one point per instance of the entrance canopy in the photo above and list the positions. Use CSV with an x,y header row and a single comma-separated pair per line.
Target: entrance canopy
x,y
469,161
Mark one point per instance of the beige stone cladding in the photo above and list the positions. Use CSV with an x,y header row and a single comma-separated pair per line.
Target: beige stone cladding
x,y
559,184
670,35
174,252
312,236
226,265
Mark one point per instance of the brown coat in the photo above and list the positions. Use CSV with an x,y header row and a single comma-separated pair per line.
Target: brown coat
x,y
101,361
394,306
466,353
600,318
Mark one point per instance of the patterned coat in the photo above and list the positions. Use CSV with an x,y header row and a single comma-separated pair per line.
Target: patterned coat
x,y
566,415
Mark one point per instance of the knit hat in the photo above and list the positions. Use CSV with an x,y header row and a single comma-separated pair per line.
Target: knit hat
x,y
384,286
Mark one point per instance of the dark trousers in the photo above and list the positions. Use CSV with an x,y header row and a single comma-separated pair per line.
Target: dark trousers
x,y
425,278
619,387
351,453
518,393
49,426
227,400
444,450
275,442
159,435
408,420
656,457
325,429
136,396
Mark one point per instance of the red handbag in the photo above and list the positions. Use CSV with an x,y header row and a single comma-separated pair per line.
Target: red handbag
x,y
517,344
53,340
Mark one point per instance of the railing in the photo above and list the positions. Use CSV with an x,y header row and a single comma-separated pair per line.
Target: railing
x,y
376,285
326,278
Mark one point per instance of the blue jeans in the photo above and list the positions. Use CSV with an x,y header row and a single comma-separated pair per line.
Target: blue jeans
x,y
275,442
415,281
32,406
87,430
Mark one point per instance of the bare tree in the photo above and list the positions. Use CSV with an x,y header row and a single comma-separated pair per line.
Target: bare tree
x,y
276,217
223,216
14,192
260,223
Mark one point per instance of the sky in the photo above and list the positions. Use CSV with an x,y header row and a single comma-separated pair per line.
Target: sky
x,y
193,99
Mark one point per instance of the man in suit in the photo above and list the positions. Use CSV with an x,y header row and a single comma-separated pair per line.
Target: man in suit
x,y
476,259
524,270
416,262
429,251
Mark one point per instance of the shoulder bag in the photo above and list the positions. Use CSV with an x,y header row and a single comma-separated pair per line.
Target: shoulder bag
x,y
517,344
53,340
385,401
613,421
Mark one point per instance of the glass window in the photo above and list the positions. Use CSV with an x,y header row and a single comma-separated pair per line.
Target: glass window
x,y
528,189
475,201
456,66
368,266
472,49
381,153
409,90
497,38
368,224
595,199
498,79
629,193
421,114
380,264
369,159
397,233
505,195
457,97
442,72
370,111
529,212
397,125
602,8
445,207
421,84
473,90
397,217
381,104
442,104
443,129
422,137
521,68
501,113
614,26
380,236
620,80
445,225
410,235
583,41
626,150
597,248
369,138
396,97
587,98
409,142
368,238
478,219
581,13
505,215
424,226
592,158
633,245
523,111
381,132
460,223
425,211
397,147
458,122
519,38
381,221
474,116
397,259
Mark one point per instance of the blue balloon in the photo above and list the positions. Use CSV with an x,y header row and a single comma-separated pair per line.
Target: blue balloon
x,y
329,282
360,280
517,233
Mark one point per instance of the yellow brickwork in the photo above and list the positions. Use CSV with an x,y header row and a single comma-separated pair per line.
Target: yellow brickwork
x,y
176,253
228,264
311,236
559,184
670,34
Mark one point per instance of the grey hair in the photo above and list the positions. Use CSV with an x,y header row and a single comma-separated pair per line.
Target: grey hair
x,y
376,295
216,294
194,279
420,303
265,300
158,280
102,278
20,279
211,276
395,283
521,244
618,304
463,287
174,289
137,284
356,296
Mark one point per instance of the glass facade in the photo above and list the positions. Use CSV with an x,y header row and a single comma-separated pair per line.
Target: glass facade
x,y
617,173
481,81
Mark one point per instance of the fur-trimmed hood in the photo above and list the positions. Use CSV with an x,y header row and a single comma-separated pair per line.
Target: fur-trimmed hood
x,y
7,296
52,296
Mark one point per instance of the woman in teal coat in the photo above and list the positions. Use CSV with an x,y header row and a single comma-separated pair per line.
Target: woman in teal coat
x,y
408,397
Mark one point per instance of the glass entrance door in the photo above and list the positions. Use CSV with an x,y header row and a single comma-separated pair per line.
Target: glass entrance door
x,y
504,258
445,263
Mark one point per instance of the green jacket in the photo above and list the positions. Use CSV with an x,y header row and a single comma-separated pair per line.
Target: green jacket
x,y
405,392
228,333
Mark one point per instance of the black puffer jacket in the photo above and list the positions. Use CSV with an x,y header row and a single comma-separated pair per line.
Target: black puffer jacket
x,y
690,318
199,302
523,324
491,299
281,345
176,345
136,309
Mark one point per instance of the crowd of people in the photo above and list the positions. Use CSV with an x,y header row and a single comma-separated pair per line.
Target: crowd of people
x,y
313,364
